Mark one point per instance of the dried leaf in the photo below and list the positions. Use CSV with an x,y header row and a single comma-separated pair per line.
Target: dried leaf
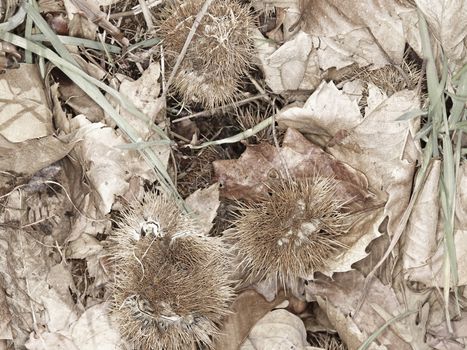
x,y
421,232
204,203
344,293
94,330
23,266
325,113
27,157
83,247
348,330
357,241
432,272
5,317
50,341
279,330
144,94
349,35
23,106
248,308
448,24
108,168
290,67
79,102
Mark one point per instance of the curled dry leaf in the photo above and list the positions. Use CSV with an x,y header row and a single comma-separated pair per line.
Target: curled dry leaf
x,y
327,112
421,232
278,330
292,66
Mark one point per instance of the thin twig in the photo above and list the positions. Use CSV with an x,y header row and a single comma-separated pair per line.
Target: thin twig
x,y
146,14
236,138
276,143
213,111
258,87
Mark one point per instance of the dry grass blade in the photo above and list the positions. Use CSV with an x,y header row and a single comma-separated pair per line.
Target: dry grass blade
x,y
381,329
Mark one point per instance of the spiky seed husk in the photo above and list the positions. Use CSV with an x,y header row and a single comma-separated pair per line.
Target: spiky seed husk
x,y
292,233
219,54
171,287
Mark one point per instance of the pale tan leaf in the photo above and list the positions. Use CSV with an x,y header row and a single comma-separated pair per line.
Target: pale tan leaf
x,y
50,341
144,94
108,168
448,24
279,330
94,330
356,243
344,293
248,308
204,203
432,272
420,238
27,157
83,247
347,29
292,66
348,330
327,111
384,150
23,106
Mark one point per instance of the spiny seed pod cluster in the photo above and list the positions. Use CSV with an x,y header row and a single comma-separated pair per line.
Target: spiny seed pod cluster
x,y
219,54
292,232
172,286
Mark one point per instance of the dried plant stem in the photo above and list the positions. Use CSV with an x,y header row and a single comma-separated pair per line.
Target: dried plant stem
x,y
258,87
135,11
236,138
146,14
276,143
212,111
